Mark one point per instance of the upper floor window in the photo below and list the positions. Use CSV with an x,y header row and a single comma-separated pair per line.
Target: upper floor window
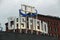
x,y
56,26
55,29
50,28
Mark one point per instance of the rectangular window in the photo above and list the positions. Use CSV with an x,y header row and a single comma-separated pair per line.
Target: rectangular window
x,y
55,26
55,29
50,28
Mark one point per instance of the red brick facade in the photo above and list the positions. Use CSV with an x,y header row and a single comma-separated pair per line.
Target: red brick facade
x,y
53,25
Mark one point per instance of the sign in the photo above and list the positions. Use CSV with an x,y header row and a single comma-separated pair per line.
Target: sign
x,y
27,11
36,24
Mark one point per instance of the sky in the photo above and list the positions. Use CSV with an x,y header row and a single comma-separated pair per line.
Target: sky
x,y
10,8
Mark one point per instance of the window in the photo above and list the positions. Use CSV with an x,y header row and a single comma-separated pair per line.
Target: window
x,y
57,35
55,29
50,28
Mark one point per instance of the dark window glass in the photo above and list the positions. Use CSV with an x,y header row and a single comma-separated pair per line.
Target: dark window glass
x,y
50,28
55,29
55,26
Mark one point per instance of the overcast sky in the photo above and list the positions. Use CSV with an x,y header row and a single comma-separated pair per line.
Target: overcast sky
x,y
11,8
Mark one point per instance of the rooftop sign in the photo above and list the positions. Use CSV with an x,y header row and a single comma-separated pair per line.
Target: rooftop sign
x,y
27,10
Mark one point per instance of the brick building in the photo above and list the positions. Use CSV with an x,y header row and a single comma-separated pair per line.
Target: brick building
x,y
53,25
38,24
